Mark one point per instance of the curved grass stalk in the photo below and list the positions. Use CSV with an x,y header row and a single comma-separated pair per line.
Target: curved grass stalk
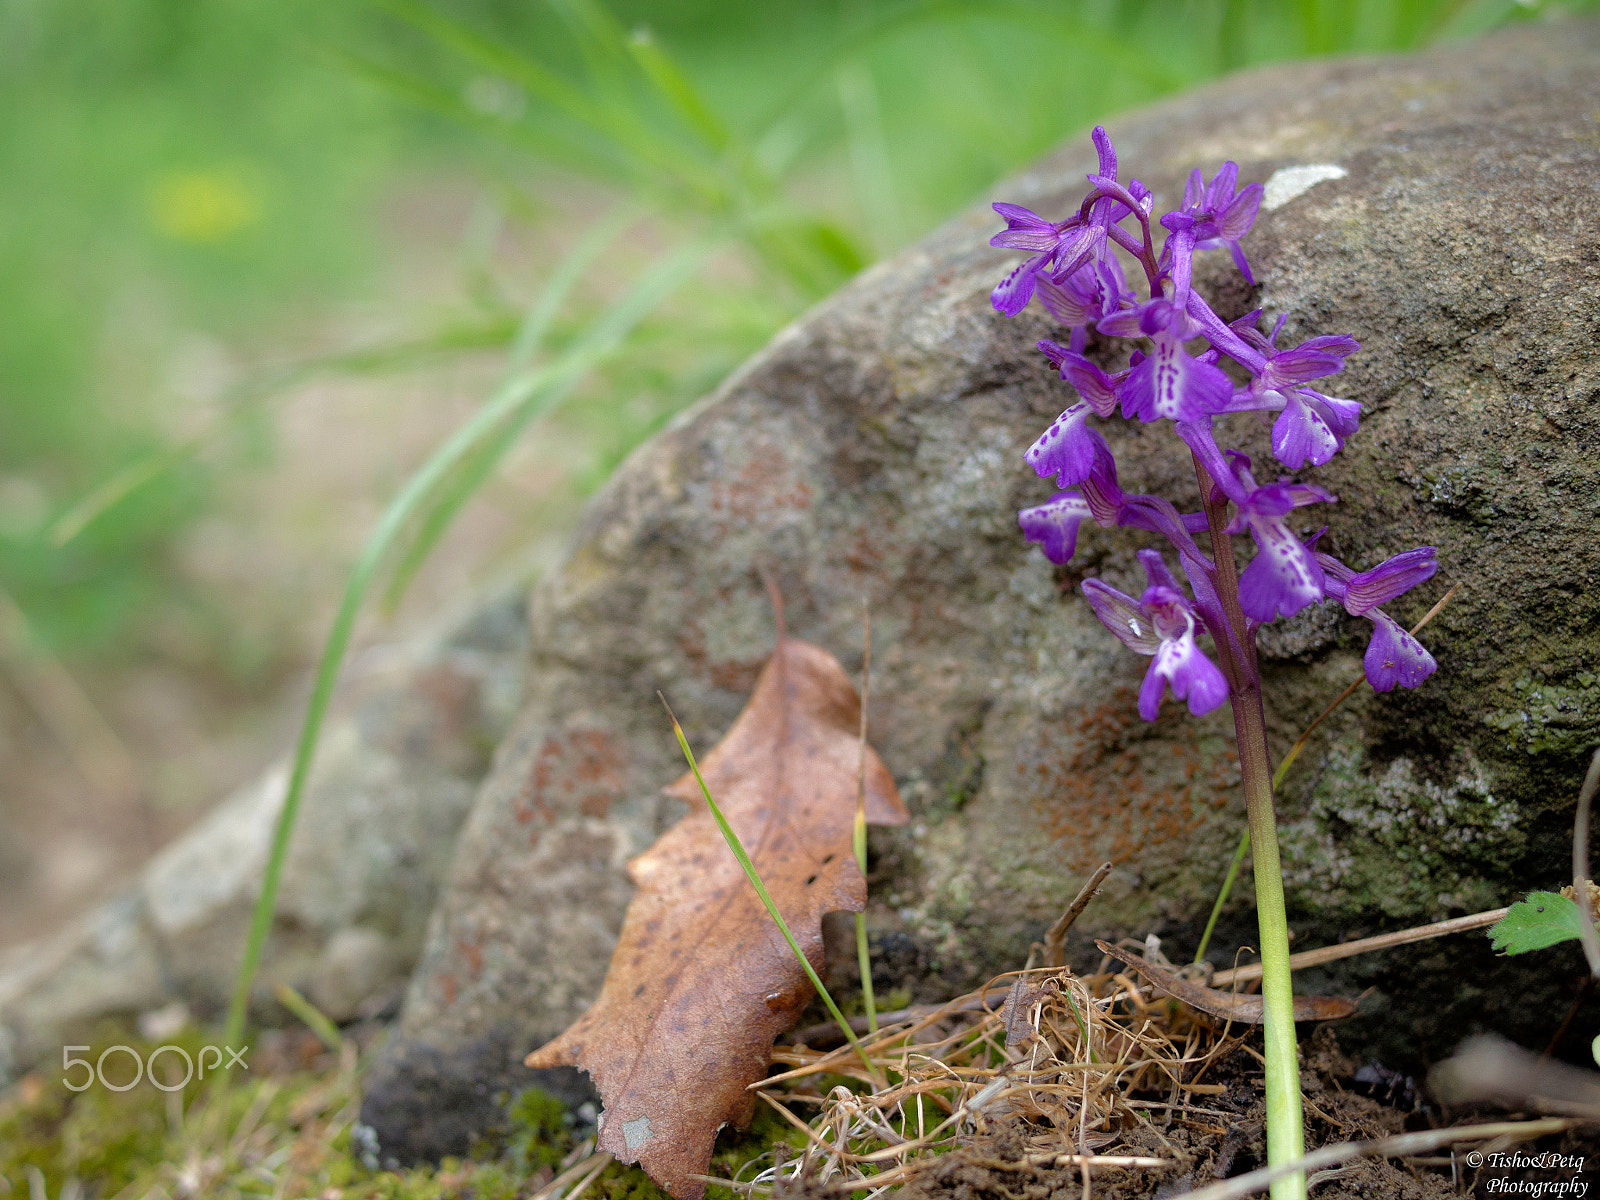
x,y
111,492
750,873
475,467
522,397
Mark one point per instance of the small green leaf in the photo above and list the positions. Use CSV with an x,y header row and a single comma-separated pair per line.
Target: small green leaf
x,y
1543,919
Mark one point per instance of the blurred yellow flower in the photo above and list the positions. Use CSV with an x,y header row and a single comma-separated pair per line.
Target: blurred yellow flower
x,y
203,207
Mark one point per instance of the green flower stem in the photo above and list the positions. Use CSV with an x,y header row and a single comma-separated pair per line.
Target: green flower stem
x,y
1239,852
1283,769
858,837
1285,1133
1285,1123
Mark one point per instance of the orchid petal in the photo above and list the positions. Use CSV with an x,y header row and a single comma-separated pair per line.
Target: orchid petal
x,y
1391,578
1172,383
1283,577
1068,449
1054,525
1240,213
1241,262
1155,570
1093,384
1025,229
1106,151
1123,616
1191,675
1394,656
1011,294
1312,427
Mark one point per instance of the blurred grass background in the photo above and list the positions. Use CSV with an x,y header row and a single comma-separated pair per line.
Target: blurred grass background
x,y
258,260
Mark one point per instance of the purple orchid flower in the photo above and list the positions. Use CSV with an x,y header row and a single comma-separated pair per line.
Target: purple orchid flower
x,y
1061,248
1026,230
1393,656
1170,382
1081,284
1080,298
1160,624
1054,525
1311,427
1284,576
1214,216
1069,448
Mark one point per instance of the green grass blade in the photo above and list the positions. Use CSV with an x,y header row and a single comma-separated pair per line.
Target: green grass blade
x,y
609,110
754,877
531,392
1223,892
542,313
678,91
863,951
1125,55
312,1016
529,340
596,160
602,338
532,76
105,497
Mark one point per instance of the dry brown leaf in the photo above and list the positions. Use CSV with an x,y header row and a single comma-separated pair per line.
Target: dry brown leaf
x,y
701,981
1230,1006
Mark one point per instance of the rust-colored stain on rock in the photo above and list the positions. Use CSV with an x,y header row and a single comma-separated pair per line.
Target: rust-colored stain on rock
x,y
1106,797
577,770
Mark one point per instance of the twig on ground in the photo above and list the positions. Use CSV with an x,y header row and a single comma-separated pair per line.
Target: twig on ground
x,y
1383,941
1055,940
1401,1146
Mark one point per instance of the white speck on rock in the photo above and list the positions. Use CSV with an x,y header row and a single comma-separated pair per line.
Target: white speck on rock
x,y
1288,182
636,1132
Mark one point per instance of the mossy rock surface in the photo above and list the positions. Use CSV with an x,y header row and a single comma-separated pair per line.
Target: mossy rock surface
x,y
874,451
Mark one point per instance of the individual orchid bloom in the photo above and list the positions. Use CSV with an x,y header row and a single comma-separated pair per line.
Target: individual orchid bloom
x,y
1027,230
1169,382
1054,525
1391,578
1161,624
1079,298
1062,248
1284,576
1069,449
1393,656
1217,215
1311,427
1093,384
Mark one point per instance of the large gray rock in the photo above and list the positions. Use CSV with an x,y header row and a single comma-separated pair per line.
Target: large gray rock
x,y
874,450
391,787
